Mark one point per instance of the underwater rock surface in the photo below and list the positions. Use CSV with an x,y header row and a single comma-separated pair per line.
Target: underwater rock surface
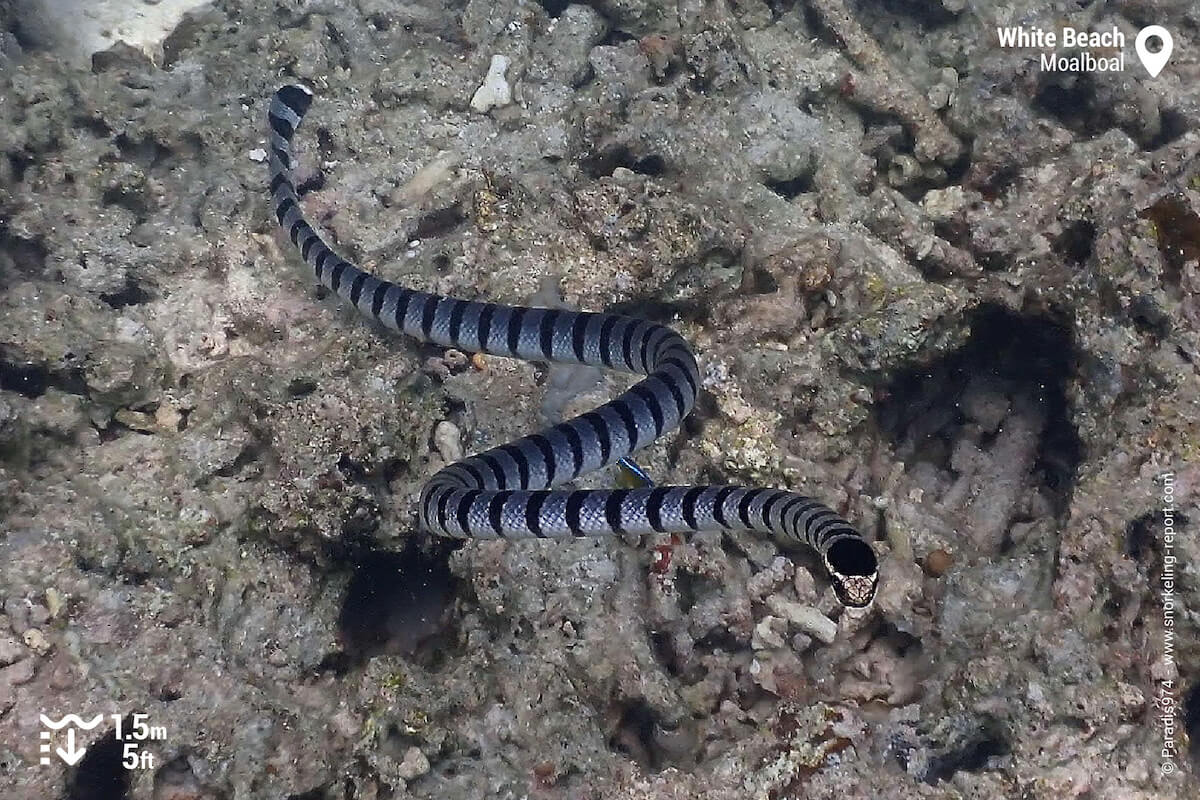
x,y
951,295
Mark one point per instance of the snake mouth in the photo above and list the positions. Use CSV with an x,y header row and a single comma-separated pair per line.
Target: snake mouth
x,y
854,591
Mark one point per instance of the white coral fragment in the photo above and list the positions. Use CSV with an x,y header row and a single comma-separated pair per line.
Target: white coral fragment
x,y
494,91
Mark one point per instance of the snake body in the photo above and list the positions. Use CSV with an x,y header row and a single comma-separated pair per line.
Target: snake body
x,y
506,491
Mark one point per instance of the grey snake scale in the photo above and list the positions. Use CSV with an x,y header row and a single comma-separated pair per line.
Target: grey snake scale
x,y
506,491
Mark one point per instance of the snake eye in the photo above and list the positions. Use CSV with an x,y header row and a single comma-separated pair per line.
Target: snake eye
x,y
852,557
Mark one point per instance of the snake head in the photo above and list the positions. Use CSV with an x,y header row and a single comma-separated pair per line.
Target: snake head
x,y
854,571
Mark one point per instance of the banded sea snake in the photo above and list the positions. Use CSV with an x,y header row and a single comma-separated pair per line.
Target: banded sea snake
x,y
506,491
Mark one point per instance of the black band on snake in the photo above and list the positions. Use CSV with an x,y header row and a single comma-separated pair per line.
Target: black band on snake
x,y
507,491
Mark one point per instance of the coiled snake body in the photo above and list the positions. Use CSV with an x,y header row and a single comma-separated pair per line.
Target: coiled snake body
x,y
506,491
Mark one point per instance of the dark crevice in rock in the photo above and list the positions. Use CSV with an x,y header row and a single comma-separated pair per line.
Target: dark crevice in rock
x,y
634,735
339,663
101,775
901,642
146,152
1173,125
664,652
313,181
23,256
615,37
111,432
692,588
649,165
973,755
602,162
719,639
1070,98
927,15
249,455
116,429
398,603
792,187
957,172
1148,316
130,295
759,280
18,163
131,198
995,181
389,471
27,379
1191,721
326,145
32,379
351,470
338,45
320,793
1140,536
1077,242
438,223
361,521
1078,102
1005,392
554,8
381,22
1177,231
398,741
301,387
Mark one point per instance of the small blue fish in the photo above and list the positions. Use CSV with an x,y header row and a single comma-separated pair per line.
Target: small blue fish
x,y
631,476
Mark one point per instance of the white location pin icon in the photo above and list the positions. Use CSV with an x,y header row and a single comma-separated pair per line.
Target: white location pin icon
x,y
1153,62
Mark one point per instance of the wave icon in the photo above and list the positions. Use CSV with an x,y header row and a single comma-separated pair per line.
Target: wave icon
x,y
71,719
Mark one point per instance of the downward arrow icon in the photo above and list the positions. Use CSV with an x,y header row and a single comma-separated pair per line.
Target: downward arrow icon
x,y
71,755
